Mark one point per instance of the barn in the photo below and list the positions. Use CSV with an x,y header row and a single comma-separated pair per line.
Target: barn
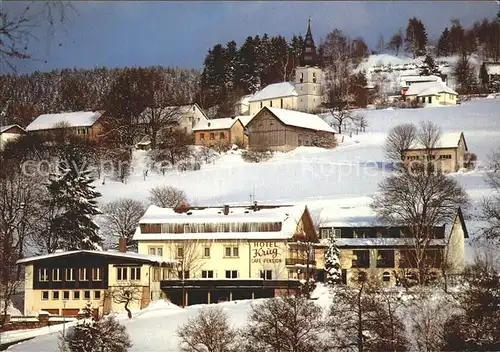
x,y
284,130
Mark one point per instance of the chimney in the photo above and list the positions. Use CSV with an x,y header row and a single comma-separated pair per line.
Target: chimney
x,y
226,209
122,244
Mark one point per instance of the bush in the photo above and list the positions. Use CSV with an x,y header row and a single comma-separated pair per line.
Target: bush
x,y
470,160
324,142
222,146
187,165
256,156
166,196
240,143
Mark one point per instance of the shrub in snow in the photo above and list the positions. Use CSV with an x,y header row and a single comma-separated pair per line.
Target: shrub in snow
x,y
208,331
206,154
89,335
289,323
239,143
332,262
222,146
324,142
255,156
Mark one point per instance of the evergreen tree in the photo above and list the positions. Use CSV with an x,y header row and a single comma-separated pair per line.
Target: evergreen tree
x,y
72,194
430,67
443,47
457,37
214,76
248,76
332,262
416,37
483,76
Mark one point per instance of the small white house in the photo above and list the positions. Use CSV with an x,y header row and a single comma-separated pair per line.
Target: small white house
x,y
10,132
436,92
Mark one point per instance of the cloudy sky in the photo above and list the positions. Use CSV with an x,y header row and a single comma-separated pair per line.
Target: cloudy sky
x,y
134,33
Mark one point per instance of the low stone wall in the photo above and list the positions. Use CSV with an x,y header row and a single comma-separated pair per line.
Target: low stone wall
x,y
32,321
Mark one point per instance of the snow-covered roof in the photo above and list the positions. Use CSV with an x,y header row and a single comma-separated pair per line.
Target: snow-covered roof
x,y
215,124
174,112
288,216
72,119
447,140
8,127
383,242
275,90
429,88
351,212
108,253
245,119
300,119
492,68
245,99
415,79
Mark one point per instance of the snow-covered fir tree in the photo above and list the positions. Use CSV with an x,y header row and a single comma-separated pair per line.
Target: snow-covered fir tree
x,y
71,192
332,262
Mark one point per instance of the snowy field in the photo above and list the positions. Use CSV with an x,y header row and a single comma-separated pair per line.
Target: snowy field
x,y
347,175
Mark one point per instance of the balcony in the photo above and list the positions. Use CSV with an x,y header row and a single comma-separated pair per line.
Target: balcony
x,y
300,261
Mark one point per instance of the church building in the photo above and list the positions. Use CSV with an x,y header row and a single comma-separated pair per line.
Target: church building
x,y
304,94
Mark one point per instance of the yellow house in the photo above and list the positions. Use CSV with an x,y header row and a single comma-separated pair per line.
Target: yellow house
x,y
61,283
84,124
448,155
436,92
229,253
219,131
368,247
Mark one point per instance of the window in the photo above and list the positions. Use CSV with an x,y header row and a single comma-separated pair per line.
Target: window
x,y
86,294
156,251
231,252
66,295
361,259
135,273
206,252
55,295
385,258
82,276
266,274
45,295
231,274
222,135
281,103
212,136
202,136
261,105
386,276
56,275
70,274
96,274
271,103
186,274
121,274
43,275
207,274
97,294
325,233
76,294
81,131
180,252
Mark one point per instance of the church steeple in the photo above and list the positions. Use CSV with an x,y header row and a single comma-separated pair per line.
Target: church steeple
x,y
308,56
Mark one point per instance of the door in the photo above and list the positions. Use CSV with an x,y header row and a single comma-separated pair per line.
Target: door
x,y
430,100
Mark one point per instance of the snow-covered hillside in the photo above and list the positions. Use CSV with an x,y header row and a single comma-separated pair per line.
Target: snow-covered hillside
x,y
390,67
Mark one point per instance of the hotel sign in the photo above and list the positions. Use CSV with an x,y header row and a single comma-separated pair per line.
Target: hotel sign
x,y
266,252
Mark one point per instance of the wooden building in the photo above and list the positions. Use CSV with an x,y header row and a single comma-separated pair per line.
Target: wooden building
x,y
448,155
219,131
84,124
284,130
230,253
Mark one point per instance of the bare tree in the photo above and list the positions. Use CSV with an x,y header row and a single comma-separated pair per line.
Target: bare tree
x,y
174,144
491,205
167,196
399,139
19,22
289,323
121,219
396,42
207,154
126,293
419,200
209,331
338,107
428,136
362,320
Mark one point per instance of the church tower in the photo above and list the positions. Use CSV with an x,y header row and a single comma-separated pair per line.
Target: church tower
x,y
308,76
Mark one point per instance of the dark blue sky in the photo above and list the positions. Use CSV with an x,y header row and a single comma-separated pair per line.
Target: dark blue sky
x,y
137,33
